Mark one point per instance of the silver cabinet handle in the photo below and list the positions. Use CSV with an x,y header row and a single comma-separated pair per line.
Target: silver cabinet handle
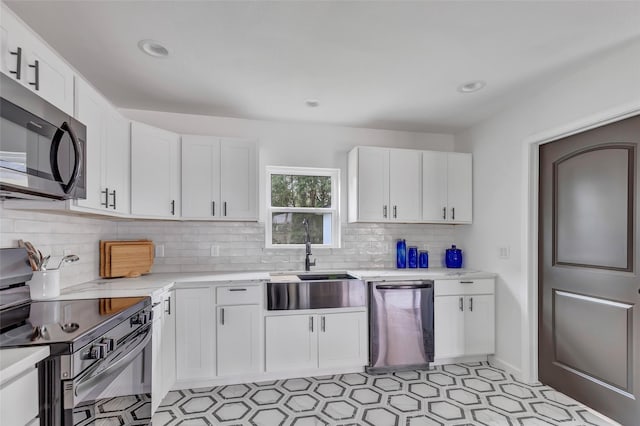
x,y
461,304
113,193
471,304
323,325
221,316
106,198
173,207
224,207
444,213
453,213
18,71
311,324
395,212
237,289
384,211
466,282
213,208
36,67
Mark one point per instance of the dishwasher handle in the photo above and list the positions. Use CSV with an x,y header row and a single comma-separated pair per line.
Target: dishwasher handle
x,y
402,286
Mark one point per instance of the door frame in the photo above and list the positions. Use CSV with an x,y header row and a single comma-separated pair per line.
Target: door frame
x,y
530,186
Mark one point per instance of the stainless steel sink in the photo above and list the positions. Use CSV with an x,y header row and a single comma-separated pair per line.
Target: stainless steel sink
x,y
316,291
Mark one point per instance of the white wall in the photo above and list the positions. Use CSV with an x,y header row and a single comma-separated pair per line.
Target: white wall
x,y
589,92
295,144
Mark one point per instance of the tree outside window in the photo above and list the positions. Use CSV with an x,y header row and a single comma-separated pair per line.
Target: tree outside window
x,y
298,193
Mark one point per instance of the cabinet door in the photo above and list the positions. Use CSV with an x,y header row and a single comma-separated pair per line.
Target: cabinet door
x,y
90,110
195,334
405,175
169,342
479,325
157,362
200,177
116,161
342,340
449,323
237,339
238,182
373,184
459,187
434,186
155,156
12,36
54,77
291,342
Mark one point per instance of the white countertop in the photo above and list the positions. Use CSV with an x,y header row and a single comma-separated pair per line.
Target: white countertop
x,y
154,285
15,361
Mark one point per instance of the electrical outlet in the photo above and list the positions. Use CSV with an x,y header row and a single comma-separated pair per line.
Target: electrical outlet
x,y
159,250
215,250
504,252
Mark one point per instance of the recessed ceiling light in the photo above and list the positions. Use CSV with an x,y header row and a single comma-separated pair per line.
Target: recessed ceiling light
x,y
312,103
471,86
153,48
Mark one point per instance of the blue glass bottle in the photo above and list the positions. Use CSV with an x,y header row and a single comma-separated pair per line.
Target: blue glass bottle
x,y
423,259
401,254
413,257
453,257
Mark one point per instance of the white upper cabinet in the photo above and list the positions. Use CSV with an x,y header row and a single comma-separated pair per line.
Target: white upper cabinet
x,y
155,172
219,178
29,61
446,187
384,185
107,151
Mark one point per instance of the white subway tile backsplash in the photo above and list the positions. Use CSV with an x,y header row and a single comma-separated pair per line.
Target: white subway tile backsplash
x,y
188,244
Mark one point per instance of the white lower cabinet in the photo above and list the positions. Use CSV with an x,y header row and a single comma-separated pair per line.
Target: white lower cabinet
x,y
19,399
218,332
163,364
308,341
195,334
464,318
237,340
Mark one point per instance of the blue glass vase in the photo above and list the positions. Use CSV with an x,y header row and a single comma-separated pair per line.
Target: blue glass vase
x,y
423,259
401,254
413,257
453,257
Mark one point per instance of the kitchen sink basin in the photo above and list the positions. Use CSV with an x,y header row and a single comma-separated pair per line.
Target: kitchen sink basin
x,y
316,291
326,277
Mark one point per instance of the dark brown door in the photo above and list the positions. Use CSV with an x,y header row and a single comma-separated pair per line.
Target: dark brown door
x,y
589,313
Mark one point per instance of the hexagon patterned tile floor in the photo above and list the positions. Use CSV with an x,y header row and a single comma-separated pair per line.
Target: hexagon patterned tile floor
x,y
459,394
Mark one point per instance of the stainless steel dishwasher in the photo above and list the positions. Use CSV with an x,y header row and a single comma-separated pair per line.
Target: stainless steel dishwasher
x,y
400,325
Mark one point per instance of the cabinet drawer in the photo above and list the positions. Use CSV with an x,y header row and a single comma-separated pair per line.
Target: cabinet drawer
x,y
470,286
239,295
19,400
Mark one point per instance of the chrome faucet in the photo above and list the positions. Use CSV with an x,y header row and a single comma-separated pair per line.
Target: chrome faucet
x,y
307,243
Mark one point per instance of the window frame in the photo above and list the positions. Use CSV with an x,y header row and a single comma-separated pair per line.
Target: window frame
x,y
334,209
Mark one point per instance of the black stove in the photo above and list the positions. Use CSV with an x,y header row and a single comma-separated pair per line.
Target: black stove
x,y
96,347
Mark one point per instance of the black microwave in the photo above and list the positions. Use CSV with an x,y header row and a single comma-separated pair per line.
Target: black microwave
x,y
42,149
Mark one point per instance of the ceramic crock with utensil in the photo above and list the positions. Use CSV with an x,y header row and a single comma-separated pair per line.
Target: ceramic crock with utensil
x,y
45,284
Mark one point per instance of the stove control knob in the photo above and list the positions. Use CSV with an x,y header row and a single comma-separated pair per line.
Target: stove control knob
x,y
98,351
110,344
137,320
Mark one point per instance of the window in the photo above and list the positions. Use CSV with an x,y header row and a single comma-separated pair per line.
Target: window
x,y
296,193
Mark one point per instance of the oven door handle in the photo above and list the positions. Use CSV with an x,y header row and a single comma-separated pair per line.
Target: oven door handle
x,y
84,383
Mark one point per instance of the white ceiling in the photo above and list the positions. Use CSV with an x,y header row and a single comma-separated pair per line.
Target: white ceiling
x,y
393,65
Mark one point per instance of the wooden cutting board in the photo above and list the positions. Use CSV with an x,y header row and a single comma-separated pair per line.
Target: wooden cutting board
x,y
125,258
